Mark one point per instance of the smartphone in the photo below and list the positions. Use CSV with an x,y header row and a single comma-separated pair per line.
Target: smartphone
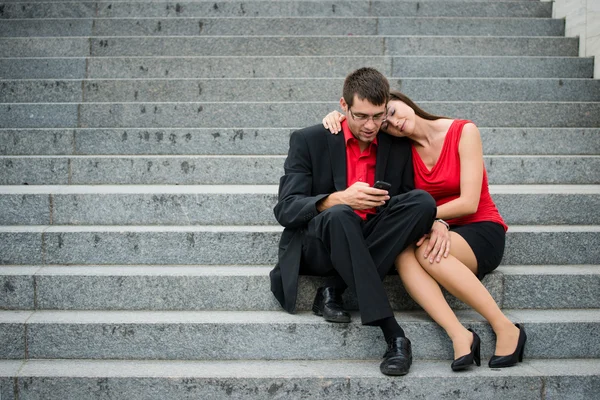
x,y
382,185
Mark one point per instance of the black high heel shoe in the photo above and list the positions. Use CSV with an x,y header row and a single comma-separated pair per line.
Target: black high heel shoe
x,y
511,359
468,359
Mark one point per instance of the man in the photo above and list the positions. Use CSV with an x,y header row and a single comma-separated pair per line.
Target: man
x,y
338,225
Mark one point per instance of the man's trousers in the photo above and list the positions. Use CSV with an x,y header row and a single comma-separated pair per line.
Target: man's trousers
x,y
338,241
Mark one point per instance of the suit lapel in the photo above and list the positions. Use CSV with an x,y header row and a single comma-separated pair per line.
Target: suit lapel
x,y
383,150
337,152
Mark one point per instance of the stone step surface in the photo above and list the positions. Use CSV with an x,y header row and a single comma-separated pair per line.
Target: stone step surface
x,y
249,205
250,9
191,245
294,67
290,46
319,379
236,26
254,170
260,141
289,89
267,115
247,288
233,335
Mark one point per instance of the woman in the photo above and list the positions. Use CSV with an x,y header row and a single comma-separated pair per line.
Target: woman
x,y
448,163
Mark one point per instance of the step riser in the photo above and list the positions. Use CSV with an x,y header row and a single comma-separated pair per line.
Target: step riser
x,y
240,293
314,339
274,141
257,171
211,115
283,26
295,67
201,247
269,8
289,46
292,90
245,209
321,388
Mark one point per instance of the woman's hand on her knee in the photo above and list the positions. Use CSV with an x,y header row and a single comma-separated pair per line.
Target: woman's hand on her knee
x,y
438,245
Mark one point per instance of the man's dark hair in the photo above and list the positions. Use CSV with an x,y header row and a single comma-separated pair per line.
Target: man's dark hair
x,y
367,83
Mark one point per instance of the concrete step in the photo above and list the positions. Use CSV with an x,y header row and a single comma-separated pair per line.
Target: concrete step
x,y
243,26
248,205
254,170
158,245
234,335
267,115
261,141
289,89
294,67
289,46
247,9
247,288
348,379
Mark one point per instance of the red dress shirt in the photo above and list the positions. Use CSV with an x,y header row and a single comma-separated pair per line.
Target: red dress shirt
x,y
360,167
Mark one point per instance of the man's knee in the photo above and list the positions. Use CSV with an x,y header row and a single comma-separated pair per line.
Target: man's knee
x,y
418,200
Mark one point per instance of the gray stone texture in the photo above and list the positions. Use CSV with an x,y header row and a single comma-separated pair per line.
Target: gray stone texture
x,y
318,66
285,26
505,66
17,115
256,170
51,28
161,246
16,290
42,171
262,141
36,141
259,141
33,9
324,8
248,66
229,335
20,247
197,207
247,245
24,209
311,379
543,170
193,288
210,115
12,334
569,287
313,45
552,247
42,68
44,47
41,91
301,90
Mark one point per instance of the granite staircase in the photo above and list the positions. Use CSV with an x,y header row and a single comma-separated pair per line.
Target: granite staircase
x,y
140,149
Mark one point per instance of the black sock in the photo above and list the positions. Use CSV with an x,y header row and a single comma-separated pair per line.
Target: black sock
x,y
390,328
336,282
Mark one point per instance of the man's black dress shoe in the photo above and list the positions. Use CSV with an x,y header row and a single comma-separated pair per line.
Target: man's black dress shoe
x,y
511,359
328,304
398,357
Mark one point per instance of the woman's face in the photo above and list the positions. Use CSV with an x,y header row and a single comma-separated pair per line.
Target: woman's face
x,y
400,119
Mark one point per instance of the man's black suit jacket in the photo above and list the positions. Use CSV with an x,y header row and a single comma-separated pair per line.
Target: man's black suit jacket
x,y
316,167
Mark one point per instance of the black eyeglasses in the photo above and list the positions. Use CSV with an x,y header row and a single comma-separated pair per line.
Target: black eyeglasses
x,y
365,117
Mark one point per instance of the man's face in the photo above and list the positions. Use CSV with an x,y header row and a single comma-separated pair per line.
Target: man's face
x,y
364,119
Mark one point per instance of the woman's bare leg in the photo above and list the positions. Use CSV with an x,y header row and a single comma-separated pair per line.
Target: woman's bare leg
x,y
427,293
456,273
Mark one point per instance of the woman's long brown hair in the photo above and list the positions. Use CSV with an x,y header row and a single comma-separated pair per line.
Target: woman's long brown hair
x,y
396,95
